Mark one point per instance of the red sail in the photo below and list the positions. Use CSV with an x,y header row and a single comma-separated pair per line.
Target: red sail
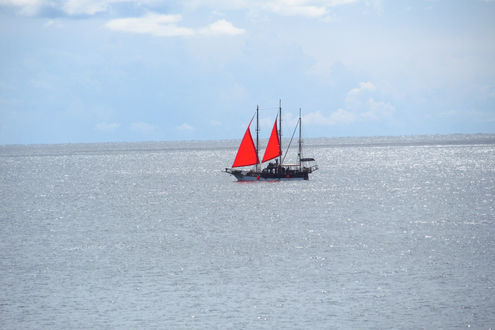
x,y
273,147
246,155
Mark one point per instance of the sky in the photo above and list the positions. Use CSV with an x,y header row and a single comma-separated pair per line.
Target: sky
x,y
151,70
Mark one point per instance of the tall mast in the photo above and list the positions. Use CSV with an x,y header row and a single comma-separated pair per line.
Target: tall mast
x,y
257,135
300,138
280,129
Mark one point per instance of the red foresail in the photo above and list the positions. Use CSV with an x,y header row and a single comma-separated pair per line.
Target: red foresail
x,y
246,155
273,147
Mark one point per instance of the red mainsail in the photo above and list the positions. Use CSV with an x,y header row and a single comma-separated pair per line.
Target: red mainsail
x,y
273,147
246,155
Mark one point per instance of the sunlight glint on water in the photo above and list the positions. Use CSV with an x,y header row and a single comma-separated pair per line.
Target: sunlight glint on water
x,y
387,234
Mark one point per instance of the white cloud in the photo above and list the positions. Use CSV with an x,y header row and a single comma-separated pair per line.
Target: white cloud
x,y
308,8
363,86
378,110
359,107
343,116
107,127
154,24
334,3
216,4
221,27
295,8
185,127
305,8
167,26
356,97
53,24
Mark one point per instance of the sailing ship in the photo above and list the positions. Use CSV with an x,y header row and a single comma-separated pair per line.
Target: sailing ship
x,y
247,155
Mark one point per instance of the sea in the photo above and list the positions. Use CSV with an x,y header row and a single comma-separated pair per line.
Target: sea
x,y
389,233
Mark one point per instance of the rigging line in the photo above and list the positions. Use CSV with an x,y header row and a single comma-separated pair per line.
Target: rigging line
x,y
288,146
252,118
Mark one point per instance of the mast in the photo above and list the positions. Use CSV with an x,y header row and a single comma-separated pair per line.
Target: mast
x,y
300,138
280,129
257,134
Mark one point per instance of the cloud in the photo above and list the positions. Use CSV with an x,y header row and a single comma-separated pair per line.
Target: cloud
x,y
360,101
49,23
363,86
356,97
167,26
107,127
295,8
334,3
378,110
154,24
221,27
308,8
359,106
185,127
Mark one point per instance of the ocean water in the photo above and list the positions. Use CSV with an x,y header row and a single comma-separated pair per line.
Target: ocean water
x,y
390,233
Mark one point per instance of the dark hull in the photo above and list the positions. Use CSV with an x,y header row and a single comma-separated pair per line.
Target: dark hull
x,y
247,155
267,176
